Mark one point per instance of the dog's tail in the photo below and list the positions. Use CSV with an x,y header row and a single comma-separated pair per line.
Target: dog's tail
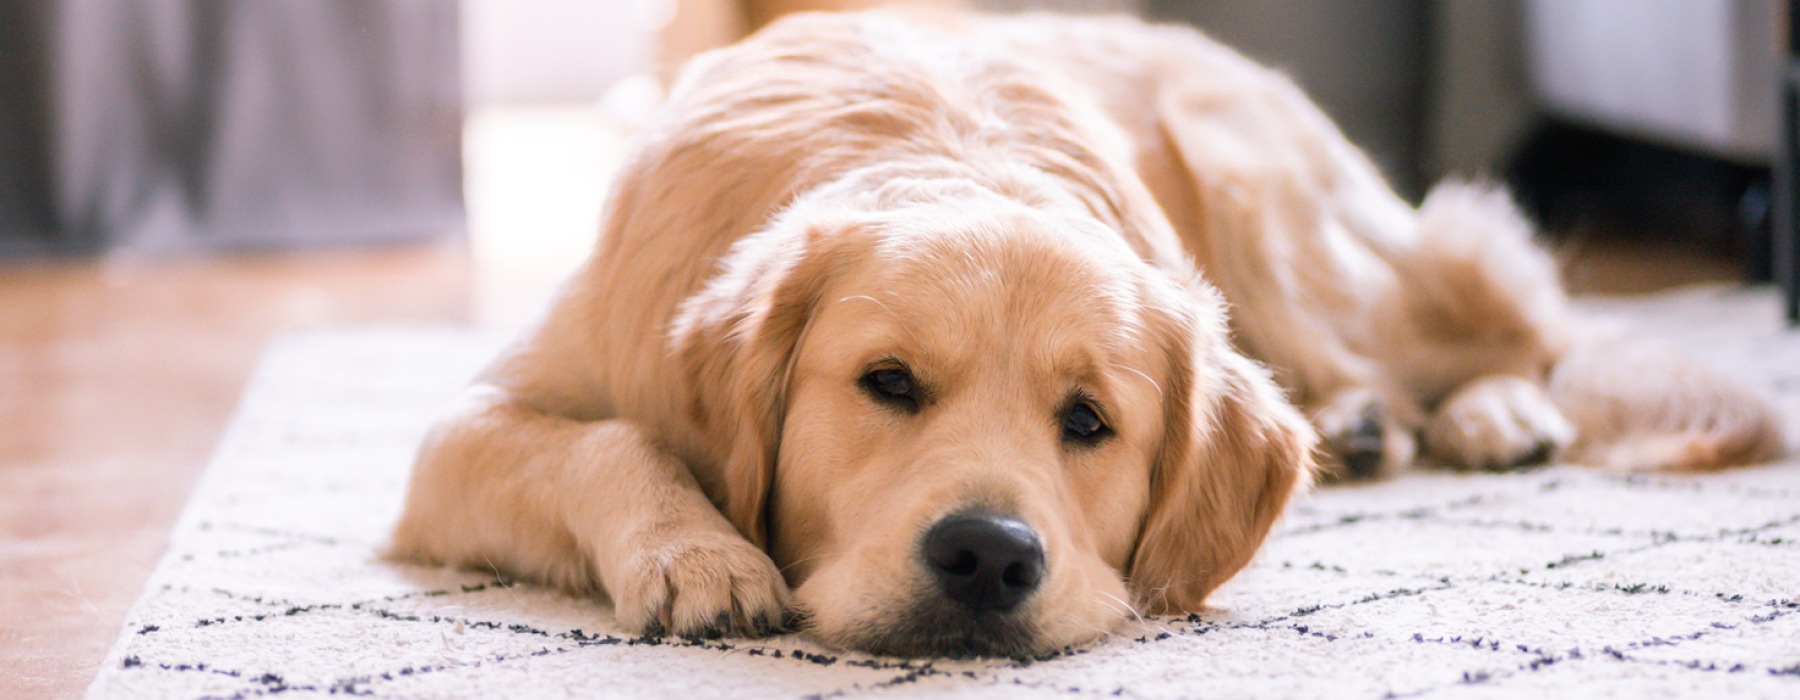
x,y
1641,406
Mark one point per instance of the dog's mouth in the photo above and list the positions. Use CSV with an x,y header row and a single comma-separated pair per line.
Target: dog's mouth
x,y
932,628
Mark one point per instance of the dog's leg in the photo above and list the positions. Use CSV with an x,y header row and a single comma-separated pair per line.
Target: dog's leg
x,y
1261,235
1277,208
584,506
1639,405
1368,428
1497,422
1266,267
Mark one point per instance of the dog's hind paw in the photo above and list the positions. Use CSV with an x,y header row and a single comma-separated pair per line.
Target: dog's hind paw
x,y
1364,438
1497,422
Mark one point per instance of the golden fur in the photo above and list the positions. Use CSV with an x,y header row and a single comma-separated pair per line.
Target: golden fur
x,y
688,430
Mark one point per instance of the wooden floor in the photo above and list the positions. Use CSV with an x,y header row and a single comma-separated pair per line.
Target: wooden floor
x,y
117,375
115,380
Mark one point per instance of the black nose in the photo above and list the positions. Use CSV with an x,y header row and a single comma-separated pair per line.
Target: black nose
x,y
987,562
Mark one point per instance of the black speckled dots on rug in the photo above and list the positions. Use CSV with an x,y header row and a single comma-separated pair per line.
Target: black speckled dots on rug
x,y
1554,582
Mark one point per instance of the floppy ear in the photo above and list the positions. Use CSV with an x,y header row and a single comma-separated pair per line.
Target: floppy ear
x,y
1233,453
737,339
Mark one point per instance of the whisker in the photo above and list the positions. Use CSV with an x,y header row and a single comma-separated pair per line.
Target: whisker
x,y
877,302
1153,384
798,562
1129,608
505,583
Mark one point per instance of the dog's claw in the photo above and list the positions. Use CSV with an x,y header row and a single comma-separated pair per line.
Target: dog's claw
x,y
1361,464
1361,437
1539,454
716,629
1361,447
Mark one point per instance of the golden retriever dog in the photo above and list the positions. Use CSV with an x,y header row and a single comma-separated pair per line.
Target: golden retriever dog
x,y
912,333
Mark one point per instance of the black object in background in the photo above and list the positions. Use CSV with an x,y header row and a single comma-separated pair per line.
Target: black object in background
x,y
1786,244
173,125
1571,177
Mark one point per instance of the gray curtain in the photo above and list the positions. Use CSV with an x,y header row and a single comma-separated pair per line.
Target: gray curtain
x,y
1365,63
173,125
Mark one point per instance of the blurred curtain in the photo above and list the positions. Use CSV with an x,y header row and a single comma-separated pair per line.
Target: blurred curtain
x,y
170,125
1365,63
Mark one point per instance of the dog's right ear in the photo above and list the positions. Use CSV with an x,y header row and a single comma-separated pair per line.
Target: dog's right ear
x,y
1233,452
736,339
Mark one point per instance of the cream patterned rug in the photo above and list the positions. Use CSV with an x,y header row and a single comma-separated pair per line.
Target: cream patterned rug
x,y
1558,582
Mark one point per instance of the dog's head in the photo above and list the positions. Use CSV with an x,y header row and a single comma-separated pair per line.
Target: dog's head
x,y
975,428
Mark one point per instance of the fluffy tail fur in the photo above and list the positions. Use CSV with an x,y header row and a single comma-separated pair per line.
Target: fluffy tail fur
x,y
1640,406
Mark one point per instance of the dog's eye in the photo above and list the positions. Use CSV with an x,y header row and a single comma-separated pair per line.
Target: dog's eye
x,y
1081,423
893,386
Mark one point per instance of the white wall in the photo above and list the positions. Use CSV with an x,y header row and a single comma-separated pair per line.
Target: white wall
x,y
555,50
1698,73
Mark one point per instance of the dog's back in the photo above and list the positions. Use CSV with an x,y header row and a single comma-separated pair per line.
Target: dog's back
x,y
1349,291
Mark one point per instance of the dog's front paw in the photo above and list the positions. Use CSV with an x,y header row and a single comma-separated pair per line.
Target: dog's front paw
x,y
700,585
1364,436
1497,422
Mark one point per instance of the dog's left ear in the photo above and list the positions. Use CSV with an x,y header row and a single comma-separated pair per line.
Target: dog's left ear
x,y
1233,453
737,339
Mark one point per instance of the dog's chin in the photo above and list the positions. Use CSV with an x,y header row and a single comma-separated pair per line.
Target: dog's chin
x,y
936,628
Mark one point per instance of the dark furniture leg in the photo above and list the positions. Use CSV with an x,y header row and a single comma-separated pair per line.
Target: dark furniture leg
x,y
1787,180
